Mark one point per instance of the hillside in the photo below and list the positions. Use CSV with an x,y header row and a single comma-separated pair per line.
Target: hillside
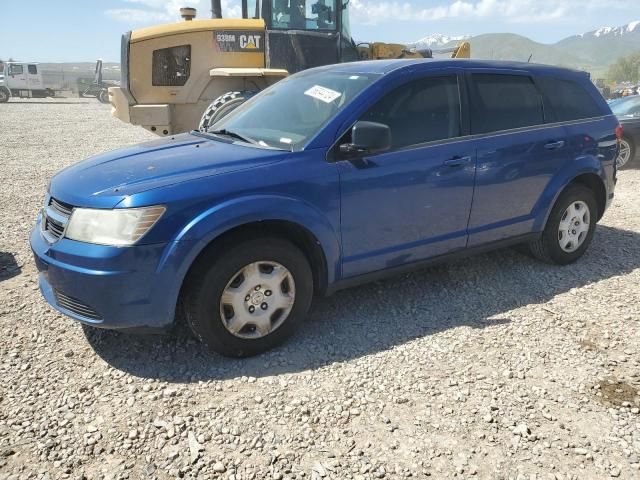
x,y
593,51
509,46
603,46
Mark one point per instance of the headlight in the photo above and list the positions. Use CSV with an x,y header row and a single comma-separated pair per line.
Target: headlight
x,y
117,227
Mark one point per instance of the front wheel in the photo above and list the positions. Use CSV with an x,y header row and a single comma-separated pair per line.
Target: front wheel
x,y
4,95
249,298
569,229
223,106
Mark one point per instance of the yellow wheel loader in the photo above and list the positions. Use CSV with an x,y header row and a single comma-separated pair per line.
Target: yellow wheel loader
x,y
187,75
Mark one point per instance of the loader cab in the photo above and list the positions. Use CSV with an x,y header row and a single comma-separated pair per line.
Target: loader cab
x,y
303,34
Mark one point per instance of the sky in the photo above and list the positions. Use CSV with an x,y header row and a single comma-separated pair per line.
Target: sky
x,y
84,30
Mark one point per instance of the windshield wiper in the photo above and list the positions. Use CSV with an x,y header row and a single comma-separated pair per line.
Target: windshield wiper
x,y
237,136
242,138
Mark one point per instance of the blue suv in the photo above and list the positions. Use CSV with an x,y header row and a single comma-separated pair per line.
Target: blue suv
x,y
332,177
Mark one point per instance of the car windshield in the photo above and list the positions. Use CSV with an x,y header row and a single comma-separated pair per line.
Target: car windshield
x,y
288,114
628,106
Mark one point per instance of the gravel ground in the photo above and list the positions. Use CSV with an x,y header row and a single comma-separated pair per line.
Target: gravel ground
x,y
493,367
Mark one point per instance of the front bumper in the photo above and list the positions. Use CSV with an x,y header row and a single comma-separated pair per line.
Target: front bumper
x,y
108,287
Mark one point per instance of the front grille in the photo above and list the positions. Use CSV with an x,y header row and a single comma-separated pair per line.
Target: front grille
x,y
54,228
55,217
76,306
62,208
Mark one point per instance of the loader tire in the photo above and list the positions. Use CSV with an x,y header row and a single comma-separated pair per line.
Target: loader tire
x,y
222,106
103,96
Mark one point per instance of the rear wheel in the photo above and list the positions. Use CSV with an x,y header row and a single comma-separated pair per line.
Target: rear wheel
x,y
222,106
103,96
249,298
569,229
627,154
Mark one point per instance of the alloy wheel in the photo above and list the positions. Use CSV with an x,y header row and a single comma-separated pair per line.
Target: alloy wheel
x,y
624,155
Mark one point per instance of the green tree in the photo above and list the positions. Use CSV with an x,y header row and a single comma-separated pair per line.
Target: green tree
x,y
625,69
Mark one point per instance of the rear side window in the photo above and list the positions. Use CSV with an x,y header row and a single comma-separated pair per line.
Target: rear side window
x,y
569,100
503,102
171,66
424,110
33,70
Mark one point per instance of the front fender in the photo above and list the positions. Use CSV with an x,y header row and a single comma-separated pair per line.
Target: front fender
x,y
225,216
580,166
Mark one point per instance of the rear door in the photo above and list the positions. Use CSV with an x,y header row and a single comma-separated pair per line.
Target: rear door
x,y
34,79
517,154
412,202
577,103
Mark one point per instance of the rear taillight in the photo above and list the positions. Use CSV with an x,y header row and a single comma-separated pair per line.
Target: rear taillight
x,y
619,132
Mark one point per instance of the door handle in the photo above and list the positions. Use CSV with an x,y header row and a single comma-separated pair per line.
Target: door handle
x,y
555,145
457,161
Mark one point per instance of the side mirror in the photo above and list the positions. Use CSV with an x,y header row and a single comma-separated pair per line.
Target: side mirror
x,y
368,137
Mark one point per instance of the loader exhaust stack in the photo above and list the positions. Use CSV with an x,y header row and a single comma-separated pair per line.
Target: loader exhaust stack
x,y
216,9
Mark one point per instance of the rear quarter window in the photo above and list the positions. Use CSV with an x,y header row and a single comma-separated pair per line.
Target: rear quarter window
x,y
504,102
569,100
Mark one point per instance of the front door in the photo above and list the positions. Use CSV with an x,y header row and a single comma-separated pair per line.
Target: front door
x,y
412,202
17,77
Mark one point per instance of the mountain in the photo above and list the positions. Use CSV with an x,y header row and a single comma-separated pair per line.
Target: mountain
x,y
436,40
592,51
603,46
509,46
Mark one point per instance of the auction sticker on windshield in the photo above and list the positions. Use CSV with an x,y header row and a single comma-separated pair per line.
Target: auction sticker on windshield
x,y
322,93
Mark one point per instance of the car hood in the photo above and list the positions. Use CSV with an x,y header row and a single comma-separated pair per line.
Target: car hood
x,y
104,180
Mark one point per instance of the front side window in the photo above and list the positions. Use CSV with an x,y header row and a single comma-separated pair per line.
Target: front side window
x,y
504,102
33,70
171,66
288,114
15,70
422,111
569,100
304,14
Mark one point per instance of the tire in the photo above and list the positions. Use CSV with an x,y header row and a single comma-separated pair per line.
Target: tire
x,y
103,96
548,248
4,95
222,106
627,155
228,269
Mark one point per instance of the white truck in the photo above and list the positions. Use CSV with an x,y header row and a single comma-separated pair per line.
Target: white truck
x,y
22,80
